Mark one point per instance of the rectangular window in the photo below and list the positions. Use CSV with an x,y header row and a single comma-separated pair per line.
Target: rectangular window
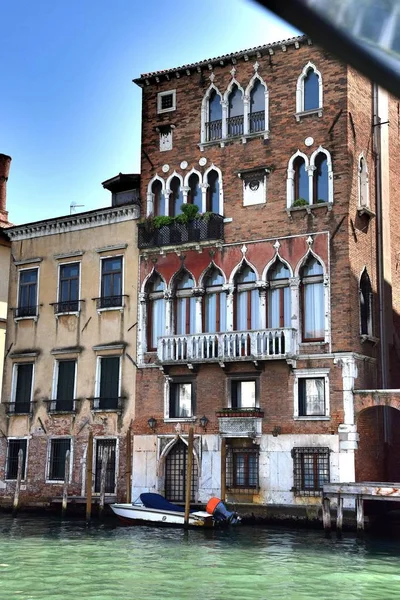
x,y
101,446
13,448
27,294
68,293
242,469
23,388
111,282
312,397
108,394
181,402
65,391
58,450
243,393
310,470
166,101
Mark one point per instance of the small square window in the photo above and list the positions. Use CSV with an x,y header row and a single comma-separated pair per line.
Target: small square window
x,y
310,470
13,448
242,469
243,393
166,101
312,397
57,452
181,400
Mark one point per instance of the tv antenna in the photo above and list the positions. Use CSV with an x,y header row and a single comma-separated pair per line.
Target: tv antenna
x,y
73,206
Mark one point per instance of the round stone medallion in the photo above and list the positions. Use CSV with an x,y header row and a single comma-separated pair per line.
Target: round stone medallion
x,y
165,168
202,161
184,164
309,141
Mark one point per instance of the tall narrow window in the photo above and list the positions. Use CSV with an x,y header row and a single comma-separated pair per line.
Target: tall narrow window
x,y
175,198
278,301
235,112
65,389
194,194
247,300
312,397
56,463
213,192
257,107
311,90
214,306
243,393
214,124
363,183
111,282
23,388
185,305
13,448
156,314
242,469
181,400
108,394
301,189
27,296
312,276
68,293
101,446
366,304
321,180
159,199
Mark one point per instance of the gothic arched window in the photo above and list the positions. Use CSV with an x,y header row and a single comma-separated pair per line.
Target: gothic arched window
x,y
313,300
301,186
366,304
194,193
278,298
257,107
213,192
321,178
247,310
214,122
235,112
214,306
156,310
311,90
176,197
185,304
159,200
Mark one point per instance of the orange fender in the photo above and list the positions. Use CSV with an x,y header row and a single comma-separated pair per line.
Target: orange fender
x,y
212,505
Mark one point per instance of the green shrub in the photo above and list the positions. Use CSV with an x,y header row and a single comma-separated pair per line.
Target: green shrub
x,y
161,220
189,211
300,202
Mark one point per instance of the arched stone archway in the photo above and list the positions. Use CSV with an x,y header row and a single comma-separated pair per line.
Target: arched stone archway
x,y
377,457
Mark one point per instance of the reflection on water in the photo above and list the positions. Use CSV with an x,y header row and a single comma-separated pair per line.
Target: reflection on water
x,y
43,559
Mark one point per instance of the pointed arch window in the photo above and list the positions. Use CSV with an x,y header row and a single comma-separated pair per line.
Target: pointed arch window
x,y
363,184
176,197
301,185
247,300
321,178
313,300
194,193
214,117
156,311
213,192
214,305
158,198
366,304
185,304
235,112
257,107
311,90
278,298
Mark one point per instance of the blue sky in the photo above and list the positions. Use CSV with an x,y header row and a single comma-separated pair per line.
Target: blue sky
x,y
69,112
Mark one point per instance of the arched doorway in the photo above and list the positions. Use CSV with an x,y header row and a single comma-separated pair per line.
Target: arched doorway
x,y
175,474
377,457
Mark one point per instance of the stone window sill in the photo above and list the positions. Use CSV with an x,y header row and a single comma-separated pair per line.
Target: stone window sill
x,y
309,208
110,308
369,338
309,113
32,318
312,418
222,142
364,210
73,313
181,420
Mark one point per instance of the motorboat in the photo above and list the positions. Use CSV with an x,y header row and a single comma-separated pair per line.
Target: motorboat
x,y
154,509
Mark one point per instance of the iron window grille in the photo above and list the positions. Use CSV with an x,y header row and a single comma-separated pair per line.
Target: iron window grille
x,y
13,448
19,408
110,301
198,230
110,482
310,470
175,474
242,469
214,130
235,125
257,121
66,306
25,311
107,403
62,406
58,451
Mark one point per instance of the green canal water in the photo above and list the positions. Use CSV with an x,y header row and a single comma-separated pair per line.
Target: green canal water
x,y
46,559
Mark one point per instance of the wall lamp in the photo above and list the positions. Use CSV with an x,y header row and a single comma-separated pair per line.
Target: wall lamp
x,y
276,430
203,421
152,422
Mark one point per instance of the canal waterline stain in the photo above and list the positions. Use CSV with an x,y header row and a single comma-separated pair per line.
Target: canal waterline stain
x,y
49,559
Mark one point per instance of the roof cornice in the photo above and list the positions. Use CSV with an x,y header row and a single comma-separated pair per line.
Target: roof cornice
x,y
76,222
210,63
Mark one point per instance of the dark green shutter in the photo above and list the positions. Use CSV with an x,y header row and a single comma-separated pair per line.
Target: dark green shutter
x,y
109,378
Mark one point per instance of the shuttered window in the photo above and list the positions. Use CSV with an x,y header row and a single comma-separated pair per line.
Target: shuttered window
x,y
23,388
14,446
109,382
65,385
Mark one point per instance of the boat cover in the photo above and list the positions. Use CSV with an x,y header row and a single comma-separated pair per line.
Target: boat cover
x,y
158,502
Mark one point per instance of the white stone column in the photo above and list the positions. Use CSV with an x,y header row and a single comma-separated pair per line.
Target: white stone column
x,y
204,187
224,105
150,204
262,288
198,293
290,188
294,284
246,110
142,324
167,193
169,312
185,190
230,289
310,172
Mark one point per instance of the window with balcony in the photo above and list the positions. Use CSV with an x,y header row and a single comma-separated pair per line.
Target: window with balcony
x,y
310,470
64,386
313,300
28,293
235,112
111,283
14,445
194,193
247,300
366,304
156,311
175,197
278,297
68,290
57,451
242,469
214,304
257,108
181,400
158,198
108,384
213,192
22,389
244,393
214,117
185,304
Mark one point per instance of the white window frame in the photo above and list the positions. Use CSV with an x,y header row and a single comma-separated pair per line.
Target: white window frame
x,y
160,95
98,373
34,317
122,256
95,442
16,437
300,112
55,377
71,459
62,264
167,387
310,374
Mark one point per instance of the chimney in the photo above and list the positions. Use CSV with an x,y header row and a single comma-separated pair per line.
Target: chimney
x,y
5,162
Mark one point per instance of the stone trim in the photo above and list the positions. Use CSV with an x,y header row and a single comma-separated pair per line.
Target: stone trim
x,y
72,254
27,261
111,248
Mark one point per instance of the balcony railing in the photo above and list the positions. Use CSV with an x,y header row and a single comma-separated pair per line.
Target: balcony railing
x,y
265,344
19,408
110,301
257,121
214,130
62,406
197,230
235,125
107,404
66,306
25,311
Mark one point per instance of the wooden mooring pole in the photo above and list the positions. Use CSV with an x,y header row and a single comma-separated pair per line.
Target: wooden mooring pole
x,y
189,476
128,476
103,473
326,515
360,514
89,476
223,469
18,483
339,516
65,486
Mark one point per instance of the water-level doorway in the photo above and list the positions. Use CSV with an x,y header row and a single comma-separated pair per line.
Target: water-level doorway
x,y
175,474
